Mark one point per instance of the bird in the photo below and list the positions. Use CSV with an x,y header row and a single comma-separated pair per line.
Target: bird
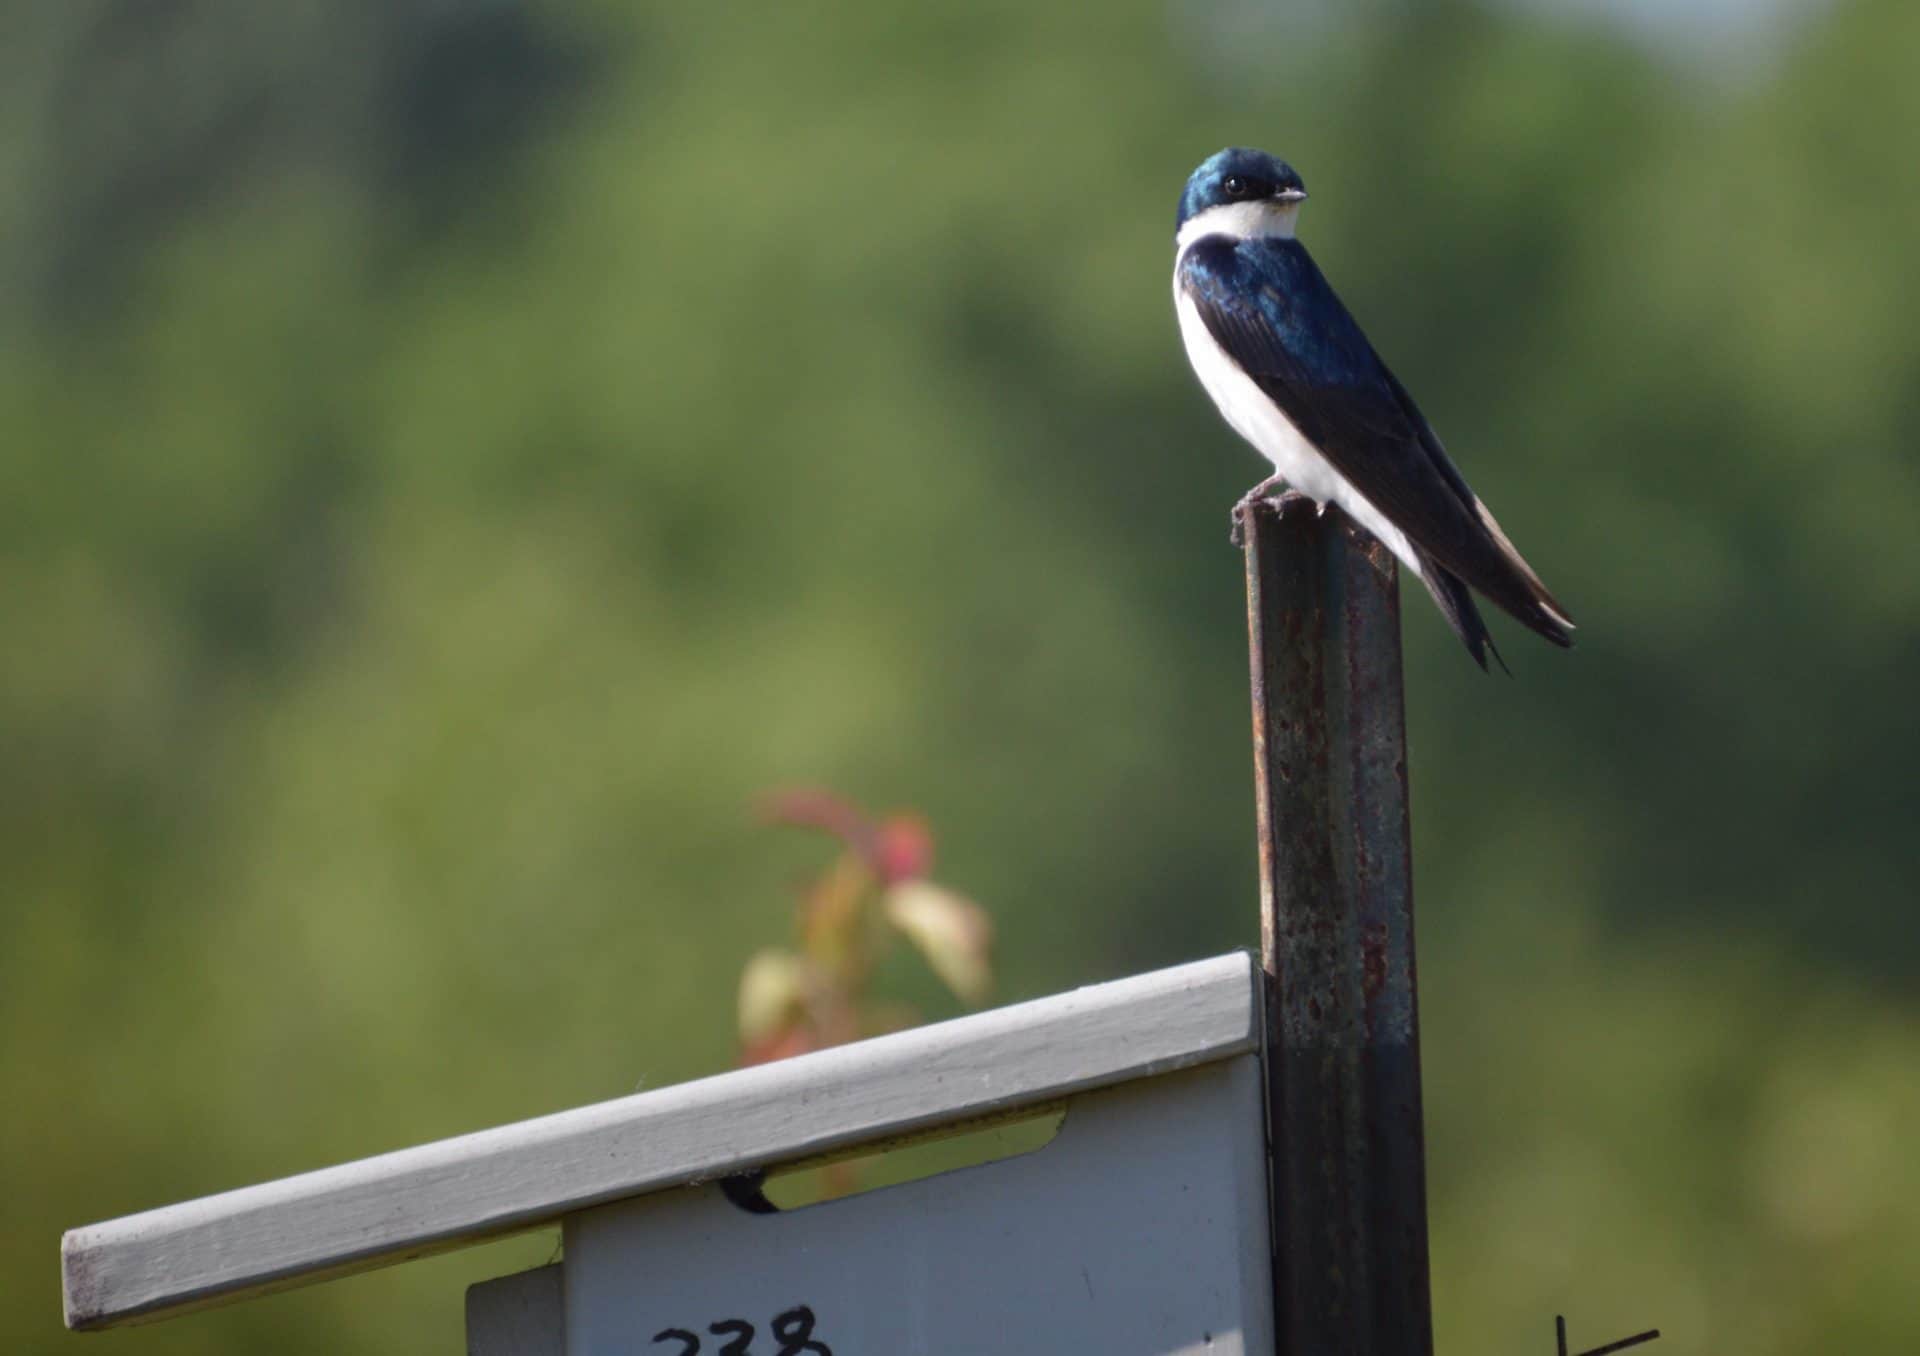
x,y
1292,373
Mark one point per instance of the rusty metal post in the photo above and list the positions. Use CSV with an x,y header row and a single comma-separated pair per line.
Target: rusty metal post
x,y
1346,1144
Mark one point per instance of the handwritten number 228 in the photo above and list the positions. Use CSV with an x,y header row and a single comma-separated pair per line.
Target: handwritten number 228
x,y
793,1329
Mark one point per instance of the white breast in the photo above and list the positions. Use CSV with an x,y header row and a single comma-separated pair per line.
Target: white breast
x,y
1261,422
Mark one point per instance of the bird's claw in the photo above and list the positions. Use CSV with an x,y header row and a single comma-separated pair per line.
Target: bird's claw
x,y
1237,517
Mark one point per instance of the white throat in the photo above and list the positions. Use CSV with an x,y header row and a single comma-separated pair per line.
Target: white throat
x,y
1242,220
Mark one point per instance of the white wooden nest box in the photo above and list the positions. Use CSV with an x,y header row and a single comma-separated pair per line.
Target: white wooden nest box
x,y
1140,1229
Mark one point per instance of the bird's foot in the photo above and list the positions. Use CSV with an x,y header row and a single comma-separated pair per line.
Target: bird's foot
x,y
1267,489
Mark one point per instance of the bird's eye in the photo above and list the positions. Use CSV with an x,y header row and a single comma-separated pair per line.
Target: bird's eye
x,y
1235,186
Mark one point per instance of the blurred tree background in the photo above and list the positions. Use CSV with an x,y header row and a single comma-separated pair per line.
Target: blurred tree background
x,y
456,454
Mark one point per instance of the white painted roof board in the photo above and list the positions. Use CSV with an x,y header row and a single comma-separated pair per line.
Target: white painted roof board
x,y
436,1196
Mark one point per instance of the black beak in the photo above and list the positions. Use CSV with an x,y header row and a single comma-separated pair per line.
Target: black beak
x,y
1291,195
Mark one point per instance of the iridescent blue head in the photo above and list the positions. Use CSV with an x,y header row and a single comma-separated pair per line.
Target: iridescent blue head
x,y
1250,185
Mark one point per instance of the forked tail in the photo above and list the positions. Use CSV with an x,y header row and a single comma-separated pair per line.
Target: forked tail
x,y
1456,604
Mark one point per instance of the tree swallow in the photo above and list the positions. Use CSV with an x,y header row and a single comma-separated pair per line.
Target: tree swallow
x,y
1292,373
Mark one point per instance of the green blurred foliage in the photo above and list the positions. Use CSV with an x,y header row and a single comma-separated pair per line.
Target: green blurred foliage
x,y
454,455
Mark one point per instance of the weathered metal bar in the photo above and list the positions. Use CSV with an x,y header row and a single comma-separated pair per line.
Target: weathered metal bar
x,y
1348,1160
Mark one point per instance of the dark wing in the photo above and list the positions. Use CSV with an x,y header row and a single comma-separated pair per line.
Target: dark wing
x,y
1268,305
